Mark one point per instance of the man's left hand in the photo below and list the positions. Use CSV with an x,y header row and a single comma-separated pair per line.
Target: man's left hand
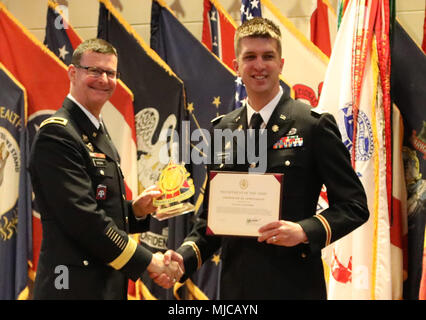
x,y
282,233
143,205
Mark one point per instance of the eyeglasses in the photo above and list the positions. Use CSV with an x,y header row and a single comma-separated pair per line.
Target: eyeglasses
x,y
98,72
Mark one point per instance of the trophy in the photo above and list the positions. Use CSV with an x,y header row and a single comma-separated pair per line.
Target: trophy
x,y
177,187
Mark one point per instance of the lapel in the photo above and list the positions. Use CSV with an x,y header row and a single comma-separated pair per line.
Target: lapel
x,y
280,121
239,122
89,134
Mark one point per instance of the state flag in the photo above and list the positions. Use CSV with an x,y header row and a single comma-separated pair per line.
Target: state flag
x,y
15,206
24,56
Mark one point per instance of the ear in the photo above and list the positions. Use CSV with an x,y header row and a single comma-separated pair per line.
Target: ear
x,y
236,67
71,72
282,64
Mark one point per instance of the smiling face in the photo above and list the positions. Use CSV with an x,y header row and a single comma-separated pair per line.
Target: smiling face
x,y
92,92
259,64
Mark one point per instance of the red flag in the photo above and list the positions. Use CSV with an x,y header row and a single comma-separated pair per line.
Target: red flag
x,y
218,31
320,30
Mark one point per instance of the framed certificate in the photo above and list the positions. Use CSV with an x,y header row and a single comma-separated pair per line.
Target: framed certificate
x,y
240,203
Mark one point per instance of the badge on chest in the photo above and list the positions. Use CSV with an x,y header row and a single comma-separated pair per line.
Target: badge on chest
x,y
98,159
101,192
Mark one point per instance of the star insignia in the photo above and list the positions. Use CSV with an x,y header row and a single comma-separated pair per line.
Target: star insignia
x,y
216,101
63,52
190,107
254,3
216,259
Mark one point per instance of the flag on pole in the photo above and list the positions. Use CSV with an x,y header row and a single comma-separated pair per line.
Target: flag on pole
x,y
408,82
354,91
159,109
323,25
218,31
15,207
207,98
45,91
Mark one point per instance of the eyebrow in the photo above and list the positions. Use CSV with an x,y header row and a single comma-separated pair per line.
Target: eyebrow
x,y
254,52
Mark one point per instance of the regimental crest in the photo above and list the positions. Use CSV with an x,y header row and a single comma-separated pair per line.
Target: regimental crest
x,y
364,143
175,184
419,141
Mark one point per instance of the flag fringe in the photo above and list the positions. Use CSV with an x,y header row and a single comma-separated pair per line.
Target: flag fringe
x,y
151,53
374,61
31,36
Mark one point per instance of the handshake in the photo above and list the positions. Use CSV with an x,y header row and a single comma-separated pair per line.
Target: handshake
x,y
166,269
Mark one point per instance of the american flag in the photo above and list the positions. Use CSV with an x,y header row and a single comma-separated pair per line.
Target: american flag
x,y
249,10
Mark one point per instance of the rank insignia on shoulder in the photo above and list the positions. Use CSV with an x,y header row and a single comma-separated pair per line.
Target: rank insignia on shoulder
x,y
217,119
101,191
56,120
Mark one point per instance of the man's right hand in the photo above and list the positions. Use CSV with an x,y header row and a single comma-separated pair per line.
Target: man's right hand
x,y
163,271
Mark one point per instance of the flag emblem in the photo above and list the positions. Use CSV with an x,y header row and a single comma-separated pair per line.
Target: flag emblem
x,y
365,146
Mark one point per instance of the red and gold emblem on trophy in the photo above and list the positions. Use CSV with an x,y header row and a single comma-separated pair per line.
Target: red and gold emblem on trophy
x,y
177,187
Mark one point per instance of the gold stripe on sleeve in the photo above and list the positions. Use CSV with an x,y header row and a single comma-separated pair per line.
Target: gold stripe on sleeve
x,y
194,247
326,226
125,255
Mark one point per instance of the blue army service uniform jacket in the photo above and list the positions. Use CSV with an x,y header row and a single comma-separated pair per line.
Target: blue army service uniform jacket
x,y
253,270
85,217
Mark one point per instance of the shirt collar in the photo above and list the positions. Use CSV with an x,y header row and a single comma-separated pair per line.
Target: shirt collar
x,y
91,117
266,111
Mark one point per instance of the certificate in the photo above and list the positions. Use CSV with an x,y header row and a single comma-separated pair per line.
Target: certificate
x,y
240,203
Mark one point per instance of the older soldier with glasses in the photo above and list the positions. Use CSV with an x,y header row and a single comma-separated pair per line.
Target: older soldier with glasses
x,y
79,188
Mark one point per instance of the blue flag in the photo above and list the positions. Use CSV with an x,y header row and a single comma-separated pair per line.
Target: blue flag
x,y
408,83
56,37
159,108
210,92
15,195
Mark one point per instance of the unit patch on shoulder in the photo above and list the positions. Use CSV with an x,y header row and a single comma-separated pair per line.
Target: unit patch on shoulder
x,y
57,120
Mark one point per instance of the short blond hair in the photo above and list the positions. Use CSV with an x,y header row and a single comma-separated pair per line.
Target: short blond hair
x,y
257,28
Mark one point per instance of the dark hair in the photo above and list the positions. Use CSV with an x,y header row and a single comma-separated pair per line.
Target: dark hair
x,y
257,28
94,45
